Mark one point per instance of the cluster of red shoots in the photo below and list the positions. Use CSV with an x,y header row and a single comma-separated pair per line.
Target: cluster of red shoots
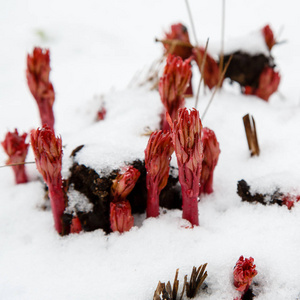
x,y
177,42
243,274
196,149
37,73
15,147
121,219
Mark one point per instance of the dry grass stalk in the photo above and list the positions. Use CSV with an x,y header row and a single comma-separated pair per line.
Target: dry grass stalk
x,y
251,134
192,21
166,292
201,71
197,278
217,87
18,164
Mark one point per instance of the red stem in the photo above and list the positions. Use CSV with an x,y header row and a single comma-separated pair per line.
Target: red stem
x,y
190,208
46,113
57,200
153,202
20,174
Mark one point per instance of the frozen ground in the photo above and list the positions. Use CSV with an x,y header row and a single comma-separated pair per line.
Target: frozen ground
x,y
96,48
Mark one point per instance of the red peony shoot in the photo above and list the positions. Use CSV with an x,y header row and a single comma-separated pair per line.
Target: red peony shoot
x,y
101,114
121,219
37,73
120,210
15,147
211,72
157,162
211,151
268,84
188,147
47,150
243,273
75,225
289,200
268,36
172,86
180,33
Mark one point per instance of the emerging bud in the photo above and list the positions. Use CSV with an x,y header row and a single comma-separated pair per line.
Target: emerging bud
x,y
101,114
172,86
268,84
124,183
188,146
289,200
243,273
211,150
211,72
37,73
268,36
157,162
15,147
47,150
120,216
75,225
178,33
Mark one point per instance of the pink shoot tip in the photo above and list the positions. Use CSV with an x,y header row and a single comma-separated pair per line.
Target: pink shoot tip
x,y
173,84
120,216
47,150
15,147
211,150
157,162
243,273
186,132
268,36
37,73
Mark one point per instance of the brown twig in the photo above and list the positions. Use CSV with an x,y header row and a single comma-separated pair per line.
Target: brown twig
x,y
201,71
197,278
251,135
172,42
192,21
222,37
217,87
18,164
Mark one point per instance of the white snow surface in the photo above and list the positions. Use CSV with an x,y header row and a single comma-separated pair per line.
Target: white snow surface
x,y
96,49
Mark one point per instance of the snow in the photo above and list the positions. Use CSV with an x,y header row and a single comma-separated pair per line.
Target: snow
x,y
96,49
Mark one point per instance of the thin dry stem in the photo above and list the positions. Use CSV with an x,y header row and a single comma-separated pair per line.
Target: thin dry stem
x,y
217,87
201,72
192,21
18,164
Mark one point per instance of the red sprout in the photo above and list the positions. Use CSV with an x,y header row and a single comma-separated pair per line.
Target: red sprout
x,y
172,86
157,162
268,84
75,225
47,150
15,147
120,210
101,114
120,216
178,33
268,36
211,151
289,200
243,273
211,72
188,147
37,73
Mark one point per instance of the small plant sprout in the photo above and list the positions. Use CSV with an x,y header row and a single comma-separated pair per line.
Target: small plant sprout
x,y
172,86
268,84
268,36
188,147
243,274
75,225
15,147
120,210
157,162
211,72
37,73
177,41
47,150
211,151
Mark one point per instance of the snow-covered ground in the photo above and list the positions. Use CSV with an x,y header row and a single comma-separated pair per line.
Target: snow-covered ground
x,y
96,49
